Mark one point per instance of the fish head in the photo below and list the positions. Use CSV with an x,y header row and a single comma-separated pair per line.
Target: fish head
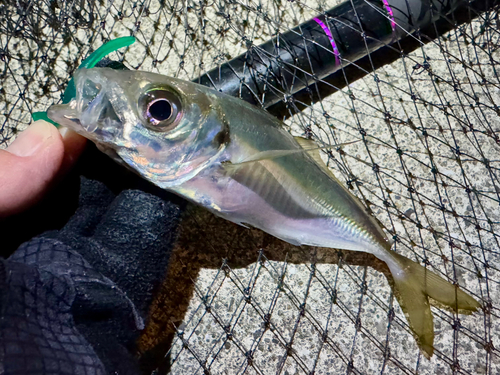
x,y
163,128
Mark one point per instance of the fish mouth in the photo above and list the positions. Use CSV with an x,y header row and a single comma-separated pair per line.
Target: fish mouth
x,y
90,113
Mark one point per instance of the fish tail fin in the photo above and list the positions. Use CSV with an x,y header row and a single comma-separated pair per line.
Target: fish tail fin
x,y
414,286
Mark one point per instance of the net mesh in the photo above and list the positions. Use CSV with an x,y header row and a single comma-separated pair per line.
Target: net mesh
x,y
420,148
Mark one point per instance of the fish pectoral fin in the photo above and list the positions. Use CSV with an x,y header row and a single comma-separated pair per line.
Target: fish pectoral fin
x,y
413,290
268,155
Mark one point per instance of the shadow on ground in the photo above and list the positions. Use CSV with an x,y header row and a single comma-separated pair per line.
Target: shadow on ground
x,y
204,242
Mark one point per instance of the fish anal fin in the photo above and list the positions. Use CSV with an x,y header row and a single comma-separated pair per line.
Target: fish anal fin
x,y
416,288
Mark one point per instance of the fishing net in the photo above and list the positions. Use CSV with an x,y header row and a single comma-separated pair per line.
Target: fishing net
x,y
415,106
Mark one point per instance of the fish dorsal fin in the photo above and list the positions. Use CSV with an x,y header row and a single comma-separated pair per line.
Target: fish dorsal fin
x,y
313,150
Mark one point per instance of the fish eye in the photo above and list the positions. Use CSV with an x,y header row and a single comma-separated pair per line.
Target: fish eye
x,y
160,108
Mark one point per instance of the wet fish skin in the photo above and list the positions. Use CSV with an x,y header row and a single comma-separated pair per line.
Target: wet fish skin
x,y
220,152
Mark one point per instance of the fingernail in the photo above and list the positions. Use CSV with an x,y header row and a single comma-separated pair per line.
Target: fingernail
x,y
32,139
64,131
67,133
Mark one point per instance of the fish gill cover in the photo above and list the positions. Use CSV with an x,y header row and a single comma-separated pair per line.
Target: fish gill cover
x,y
421,98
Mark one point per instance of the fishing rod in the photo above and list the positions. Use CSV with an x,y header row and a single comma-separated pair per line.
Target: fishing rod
x,y
276,70
317,51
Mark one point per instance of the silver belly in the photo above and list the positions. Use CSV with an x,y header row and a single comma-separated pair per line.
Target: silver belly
x,y
232,201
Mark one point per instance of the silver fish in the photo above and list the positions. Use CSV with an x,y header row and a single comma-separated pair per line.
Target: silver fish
x,y
238,161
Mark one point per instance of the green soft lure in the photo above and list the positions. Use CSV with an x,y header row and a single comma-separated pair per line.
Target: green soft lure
x,y
89,62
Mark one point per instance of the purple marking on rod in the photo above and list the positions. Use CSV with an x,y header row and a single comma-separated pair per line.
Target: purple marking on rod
x,y
330,37
391,14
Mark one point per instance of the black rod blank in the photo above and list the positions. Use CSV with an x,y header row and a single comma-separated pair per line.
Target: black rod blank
x,y
286,64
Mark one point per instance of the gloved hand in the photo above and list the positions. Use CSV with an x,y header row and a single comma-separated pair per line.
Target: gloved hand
x,y
73,301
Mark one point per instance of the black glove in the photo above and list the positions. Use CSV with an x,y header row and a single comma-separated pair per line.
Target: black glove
x,y
73,301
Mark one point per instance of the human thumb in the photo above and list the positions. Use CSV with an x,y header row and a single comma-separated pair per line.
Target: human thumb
x,y
30,164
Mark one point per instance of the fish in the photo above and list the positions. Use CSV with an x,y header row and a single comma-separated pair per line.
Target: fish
x,y
240,162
